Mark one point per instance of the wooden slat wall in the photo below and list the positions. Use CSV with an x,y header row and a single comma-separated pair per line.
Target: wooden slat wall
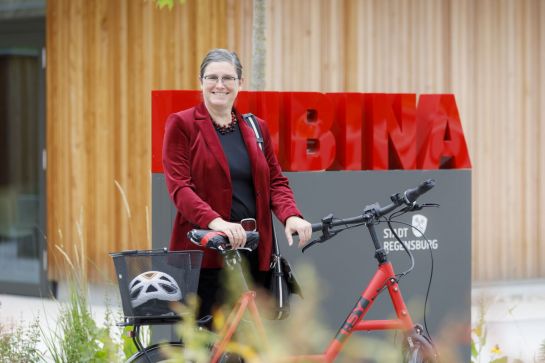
x,y
104,58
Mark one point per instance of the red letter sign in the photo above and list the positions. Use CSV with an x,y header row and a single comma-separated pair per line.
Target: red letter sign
x,y
390,131
441,142
348,108
342,131
266,106
309,143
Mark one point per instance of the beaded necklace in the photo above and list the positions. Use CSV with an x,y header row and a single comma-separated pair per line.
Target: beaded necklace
x,y
230,127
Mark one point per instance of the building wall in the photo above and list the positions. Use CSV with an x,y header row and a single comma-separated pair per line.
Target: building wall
x,y
104,58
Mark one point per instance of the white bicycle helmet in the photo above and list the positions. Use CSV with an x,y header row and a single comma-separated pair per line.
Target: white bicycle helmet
x,y
153,286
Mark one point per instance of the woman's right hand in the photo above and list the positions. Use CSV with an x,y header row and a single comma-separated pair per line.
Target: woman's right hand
x,y
234,231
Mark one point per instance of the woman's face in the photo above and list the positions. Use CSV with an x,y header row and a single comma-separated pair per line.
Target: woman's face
x,y
220,85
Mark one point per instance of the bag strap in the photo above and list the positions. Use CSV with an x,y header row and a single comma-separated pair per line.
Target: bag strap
x,y
254,125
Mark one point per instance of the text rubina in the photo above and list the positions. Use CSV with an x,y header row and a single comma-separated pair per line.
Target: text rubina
x,y
313,131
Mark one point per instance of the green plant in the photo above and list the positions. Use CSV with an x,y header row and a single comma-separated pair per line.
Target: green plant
x,y
168,3
18,342
479,341
197,342
127,344
77,337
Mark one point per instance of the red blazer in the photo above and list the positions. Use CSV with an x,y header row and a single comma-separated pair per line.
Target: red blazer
x,y
199,183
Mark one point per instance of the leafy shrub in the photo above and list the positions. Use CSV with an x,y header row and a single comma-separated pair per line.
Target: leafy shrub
x,y
77,337
18,343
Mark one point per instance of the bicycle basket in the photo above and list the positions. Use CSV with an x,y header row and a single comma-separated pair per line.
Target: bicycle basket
x,y
151,281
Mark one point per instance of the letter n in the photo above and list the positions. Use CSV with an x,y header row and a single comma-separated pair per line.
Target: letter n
x,y
390,131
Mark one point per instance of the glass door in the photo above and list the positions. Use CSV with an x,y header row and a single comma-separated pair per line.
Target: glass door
x,y
23,254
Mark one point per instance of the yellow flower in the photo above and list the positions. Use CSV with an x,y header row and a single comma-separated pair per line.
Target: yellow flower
x,y
496,349
219,320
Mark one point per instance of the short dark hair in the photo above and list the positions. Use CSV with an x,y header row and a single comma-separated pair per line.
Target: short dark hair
x,y
221,55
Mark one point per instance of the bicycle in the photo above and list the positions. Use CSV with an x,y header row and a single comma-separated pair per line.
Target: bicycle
x,y
417,346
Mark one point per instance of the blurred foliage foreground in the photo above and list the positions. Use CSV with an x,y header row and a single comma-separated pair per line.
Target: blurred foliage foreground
x,y
77,337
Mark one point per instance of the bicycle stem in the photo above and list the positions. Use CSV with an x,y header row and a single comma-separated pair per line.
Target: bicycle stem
x,y
380,253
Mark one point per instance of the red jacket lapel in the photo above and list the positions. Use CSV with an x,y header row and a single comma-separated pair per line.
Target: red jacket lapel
x,y
202,117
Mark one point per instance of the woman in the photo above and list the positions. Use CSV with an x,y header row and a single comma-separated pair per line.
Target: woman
x,y
217,176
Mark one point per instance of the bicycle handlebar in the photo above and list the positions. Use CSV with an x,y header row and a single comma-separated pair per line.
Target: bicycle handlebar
x,y
411,195
373,212
316,227
219,241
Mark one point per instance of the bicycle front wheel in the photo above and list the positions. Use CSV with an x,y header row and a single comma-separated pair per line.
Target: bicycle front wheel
x,y
155,353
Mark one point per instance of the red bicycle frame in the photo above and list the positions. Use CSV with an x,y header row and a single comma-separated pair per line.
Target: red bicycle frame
x,y
384,278
245,302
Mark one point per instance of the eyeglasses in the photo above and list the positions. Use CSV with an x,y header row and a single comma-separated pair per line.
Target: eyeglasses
x,y
212,80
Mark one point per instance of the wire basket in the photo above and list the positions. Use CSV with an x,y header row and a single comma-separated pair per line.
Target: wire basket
x,y
151,281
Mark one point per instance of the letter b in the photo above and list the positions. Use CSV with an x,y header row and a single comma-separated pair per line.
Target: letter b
x,y
308,140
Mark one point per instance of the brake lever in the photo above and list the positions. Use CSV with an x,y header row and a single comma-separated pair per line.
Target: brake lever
x,y
416,206
322,239
434,205
413,207
310,244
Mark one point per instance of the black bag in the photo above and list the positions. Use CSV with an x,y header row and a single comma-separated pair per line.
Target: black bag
x,y
282,281
282,284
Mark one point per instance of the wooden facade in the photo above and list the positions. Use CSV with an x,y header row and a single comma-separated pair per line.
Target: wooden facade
x,y
105,57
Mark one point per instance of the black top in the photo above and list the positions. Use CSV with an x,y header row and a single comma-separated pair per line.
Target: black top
x,y
243,198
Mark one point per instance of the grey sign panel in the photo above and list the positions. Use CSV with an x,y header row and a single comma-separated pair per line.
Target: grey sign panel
x,y
163,212
345,264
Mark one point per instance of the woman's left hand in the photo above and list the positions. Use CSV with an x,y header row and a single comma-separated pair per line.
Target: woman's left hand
x,y
302,227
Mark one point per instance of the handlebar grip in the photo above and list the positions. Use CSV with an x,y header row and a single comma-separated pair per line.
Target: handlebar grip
x,y
411,195
317,226
218,240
